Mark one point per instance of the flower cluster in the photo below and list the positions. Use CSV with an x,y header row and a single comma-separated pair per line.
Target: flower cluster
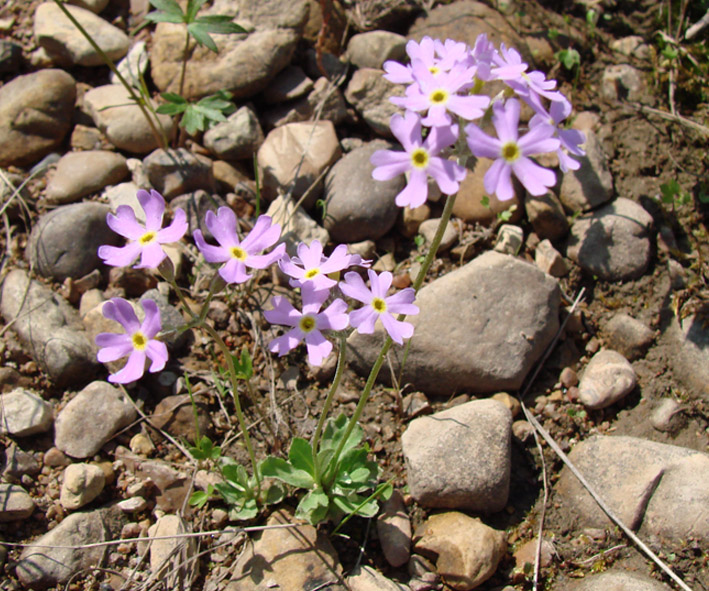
x,y
311,271
444,82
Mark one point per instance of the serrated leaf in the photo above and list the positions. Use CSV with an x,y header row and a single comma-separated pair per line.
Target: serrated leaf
x,y
301,455
278,468
168,6
201,36
163,17
313,507
193,120
193,7
219,24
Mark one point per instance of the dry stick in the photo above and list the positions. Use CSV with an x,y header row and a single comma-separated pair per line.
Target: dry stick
x,y
214,532
696,27
538,550
698,127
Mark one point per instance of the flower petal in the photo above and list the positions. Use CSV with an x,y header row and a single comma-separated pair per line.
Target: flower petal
x,y
153,205
176,230
151,323
124,223
122,312
157,353
120,256
132,370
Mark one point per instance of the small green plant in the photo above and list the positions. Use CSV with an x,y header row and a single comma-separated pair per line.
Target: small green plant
x,y
335,484
201,115
672,194
245,494
569,58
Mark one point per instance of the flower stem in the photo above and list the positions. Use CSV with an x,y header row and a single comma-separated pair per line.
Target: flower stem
x,y
425,266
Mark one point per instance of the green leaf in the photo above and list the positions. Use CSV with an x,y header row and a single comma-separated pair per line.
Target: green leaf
x,y
249,510
278,468
236,475
201,36
193,7
173,97
163,17
168,6
230,494
313,507
301,456
275,494
198,499
193,120
219,24
669,190
569,58
485,201
334,432
171,109
356,505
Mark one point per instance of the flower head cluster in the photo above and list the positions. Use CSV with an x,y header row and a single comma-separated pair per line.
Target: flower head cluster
x,y
444,81
138,341
144,241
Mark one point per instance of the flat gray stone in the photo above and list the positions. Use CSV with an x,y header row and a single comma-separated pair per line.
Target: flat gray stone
x,y
35,115
24,413
608,378
66,45
656,488
369,92
357,206
81,173
628,336
15,503
49,327
237,138
91,418
612,580
481,328
373,48
42,566
612,243
64,242
478,435
174,172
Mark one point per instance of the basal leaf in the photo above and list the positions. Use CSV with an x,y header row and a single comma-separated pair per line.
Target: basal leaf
x,y
301,455
278,468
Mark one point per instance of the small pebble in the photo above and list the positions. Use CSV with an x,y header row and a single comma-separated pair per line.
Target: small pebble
x,y
666,416
568,377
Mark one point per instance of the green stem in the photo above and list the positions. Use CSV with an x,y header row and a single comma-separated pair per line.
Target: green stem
x,y
425,266
184,62
328,400
140,101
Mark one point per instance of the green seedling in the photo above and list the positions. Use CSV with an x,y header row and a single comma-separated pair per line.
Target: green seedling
x,y
672,194
201,115
245,494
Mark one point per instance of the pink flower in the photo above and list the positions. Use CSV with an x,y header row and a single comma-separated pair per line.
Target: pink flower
x,y
312,267
144,241
511,153
307,325
420,159
236,254
570,139
138,342
378,306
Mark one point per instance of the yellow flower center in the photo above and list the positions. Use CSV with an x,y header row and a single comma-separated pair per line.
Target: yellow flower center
x,y
510,151
238,253
147,238
379,305
438,96
419,158
307,323
434,70
139,341
310,273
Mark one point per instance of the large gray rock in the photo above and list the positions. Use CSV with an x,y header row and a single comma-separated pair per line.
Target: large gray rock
x,y
64,242
49,327
478,435
656,488
357,206
45,563
244,64
67,46
91,418
82,173
369,92
481,328
613,242
35,115
122,121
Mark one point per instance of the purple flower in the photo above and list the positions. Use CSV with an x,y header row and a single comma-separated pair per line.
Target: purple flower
x,y
511,153
438,94
420,159
236,254
570,139
312,267
378,305
308,324
137,342
144,241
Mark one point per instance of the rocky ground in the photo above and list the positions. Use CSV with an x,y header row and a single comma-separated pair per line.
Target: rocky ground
x,y
618,377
